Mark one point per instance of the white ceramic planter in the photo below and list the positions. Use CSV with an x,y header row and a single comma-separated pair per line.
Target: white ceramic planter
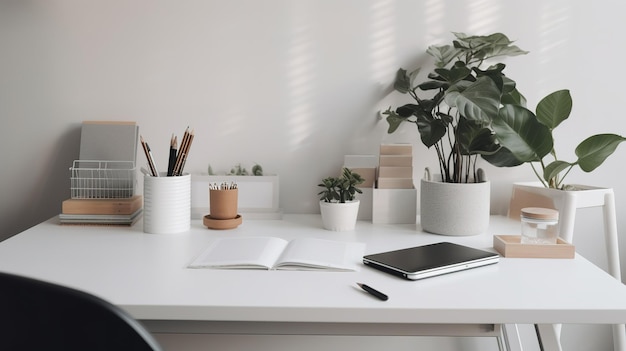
x,y
458,209
339,216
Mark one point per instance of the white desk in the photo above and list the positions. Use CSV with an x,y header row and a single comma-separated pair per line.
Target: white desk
x,y
146,275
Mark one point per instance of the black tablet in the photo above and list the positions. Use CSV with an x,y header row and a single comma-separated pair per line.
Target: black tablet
x,y
430,260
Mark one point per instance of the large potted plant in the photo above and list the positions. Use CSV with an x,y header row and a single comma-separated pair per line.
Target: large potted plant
x,y
338,206
453,111
472,112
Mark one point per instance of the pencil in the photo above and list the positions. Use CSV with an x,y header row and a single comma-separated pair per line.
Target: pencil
x,y
183,152
146,150
182,166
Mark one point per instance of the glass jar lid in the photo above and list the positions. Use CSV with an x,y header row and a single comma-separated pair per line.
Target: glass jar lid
x,y
540,213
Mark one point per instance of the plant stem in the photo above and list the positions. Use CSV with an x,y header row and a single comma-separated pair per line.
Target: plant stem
x,y
538,176
559,184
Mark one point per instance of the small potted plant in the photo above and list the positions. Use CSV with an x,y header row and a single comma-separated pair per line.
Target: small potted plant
x,y
338,206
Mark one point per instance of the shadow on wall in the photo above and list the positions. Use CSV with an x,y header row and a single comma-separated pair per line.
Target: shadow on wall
x,y
42,199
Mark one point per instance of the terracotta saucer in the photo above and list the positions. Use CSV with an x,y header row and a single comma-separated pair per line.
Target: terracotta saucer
x,y
213,223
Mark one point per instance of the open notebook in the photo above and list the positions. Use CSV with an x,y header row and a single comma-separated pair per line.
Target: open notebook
x,y
277,253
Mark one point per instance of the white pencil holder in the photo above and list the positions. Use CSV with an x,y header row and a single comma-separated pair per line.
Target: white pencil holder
x,y
167,204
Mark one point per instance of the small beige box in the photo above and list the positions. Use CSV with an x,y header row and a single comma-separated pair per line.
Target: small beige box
x,y
395,172
511,246
395,183
396,149
396,161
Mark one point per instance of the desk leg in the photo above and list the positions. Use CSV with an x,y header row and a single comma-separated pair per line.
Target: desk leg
x,y
511,338
548,338
619,337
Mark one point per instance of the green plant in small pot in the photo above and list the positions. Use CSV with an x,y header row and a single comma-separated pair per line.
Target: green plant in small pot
x,y
338,206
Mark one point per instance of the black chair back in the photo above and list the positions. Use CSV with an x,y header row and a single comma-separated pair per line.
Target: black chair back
x,y
36,315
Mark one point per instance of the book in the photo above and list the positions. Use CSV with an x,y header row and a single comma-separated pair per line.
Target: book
x,y
109,141
121,206
272,253
105,219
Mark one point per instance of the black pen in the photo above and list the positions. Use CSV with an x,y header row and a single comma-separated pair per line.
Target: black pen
x,y
373,291
173,152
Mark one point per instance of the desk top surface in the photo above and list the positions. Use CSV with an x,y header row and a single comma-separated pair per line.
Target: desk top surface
x,y
146,274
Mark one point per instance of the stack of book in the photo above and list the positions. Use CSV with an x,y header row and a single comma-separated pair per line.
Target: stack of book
x,y
123,211
102,180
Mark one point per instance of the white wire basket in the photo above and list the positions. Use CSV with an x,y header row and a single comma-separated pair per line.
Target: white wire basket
x,y
102,179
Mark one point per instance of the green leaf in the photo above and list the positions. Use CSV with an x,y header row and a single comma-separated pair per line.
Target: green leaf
x,y
493,45
505,51
518,130
479,101
473,138
443,55
594,150
503,157
513,98
491,70
431,129
453,75
508,85
477,40
394,120
407,110
553,169
433,84
403,81
554,108
495,73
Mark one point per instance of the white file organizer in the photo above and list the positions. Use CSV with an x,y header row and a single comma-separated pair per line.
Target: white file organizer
x,y
102,179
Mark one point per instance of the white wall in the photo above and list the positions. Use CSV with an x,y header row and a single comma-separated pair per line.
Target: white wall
x,y
292,85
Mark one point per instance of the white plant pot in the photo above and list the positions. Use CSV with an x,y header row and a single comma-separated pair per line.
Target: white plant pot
x,y
339,216
458,209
